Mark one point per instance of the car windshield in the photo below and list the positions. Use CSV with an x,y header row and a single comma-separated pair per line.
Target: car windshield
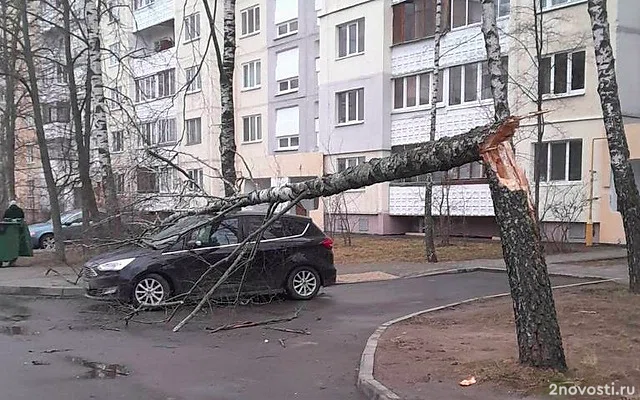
x,y
171,233
68,217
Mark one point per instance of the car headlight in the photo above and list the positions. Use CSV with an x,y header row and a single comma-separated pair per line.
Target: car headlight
x,y
115,265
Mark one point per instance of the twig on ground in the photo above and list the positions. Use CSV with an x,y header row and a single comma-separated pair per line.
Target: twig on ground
x,y
78,275
298,331
282,343
248,324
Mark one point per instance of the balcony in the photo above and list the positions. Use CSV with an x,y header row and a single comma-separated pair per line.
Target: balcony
x,y
152,12
150,61
464,200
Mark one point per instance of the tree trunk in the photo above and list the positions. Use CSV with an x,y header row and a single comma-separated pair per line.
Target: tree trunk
x,y
89,205
623,177
42,142
99,115
8,143
429,243
538,333
537,166
228,131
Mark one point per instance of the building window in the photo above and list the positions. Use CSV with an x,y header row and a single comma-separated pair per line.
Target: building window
x,y
147,180
194,82
559,161
553,3
252,128
162,84
416,19
350,106
471,82
61,75
56,112
286,17
351,38
251,74
288,128
117,141
167,180
147,134
414,90
138,4
114,54
465,12
167,132
196,177
194,131
563,73
287,71
120,182
29,154
250,20
349,162
192,27
465,172
503,7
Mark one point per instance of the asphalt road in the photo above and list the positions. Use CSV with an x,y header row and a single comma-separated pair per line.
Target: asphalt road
x,y
249,363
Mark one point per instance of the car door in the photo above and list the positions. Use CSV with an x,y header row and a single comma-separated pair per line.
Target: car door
x,y
268,267
203,248
72,227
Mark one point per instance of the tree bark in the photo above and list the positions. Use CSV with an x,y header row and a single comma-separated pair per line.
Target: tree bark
x,y
99,115
623,177
429,242
89,205
8,142
537,329
42,141
537,166
226,59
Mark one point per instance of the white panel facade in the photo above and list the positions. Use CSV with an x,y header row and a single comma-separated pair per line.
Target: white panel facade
x,y
155,13
457,47
413,127
156,62
469,200
286,10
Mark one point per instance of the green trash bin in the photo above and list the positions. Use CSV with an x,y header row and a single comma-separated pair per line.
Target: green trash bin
x,y
9,241
25,247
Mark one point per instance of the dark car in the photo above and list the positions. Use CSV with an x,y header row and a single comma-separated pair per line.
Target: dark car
x,y
294,256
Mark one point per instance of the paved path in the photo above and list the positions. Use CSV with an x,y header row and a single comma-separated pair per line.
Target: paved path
x,y
248,364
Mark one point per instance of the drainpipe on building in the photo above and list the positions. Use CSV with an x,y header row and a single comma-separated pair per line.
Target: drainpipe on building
x,y
589,226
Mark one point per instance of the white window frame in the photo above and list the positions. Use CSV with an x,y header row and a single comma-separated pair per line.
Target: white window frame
x,y
166,180
569,92
148,131
291,26
114,54
120,182
166,131
194,81
290,142
192,27
349,162
478,99
466,24
165,80
567,160
244,21
359,99
139,4
196,175
359,45
29,152
252,128
252,73
548,4
292,85
60,75
193,137
419,78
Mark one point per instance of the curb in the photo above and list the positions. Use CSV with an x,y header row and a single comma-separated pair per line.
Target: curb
x,y
375,390
497,269
42,291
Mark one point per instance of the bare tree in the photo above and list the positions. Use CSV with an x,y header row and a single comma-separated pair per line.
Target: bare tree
x,y
537,329
623,177
429,244
226,66
32,87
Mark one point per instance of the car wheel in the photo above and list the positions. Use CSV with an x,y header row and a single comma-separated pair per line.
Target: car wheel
x,y
151,290
47,242
303,283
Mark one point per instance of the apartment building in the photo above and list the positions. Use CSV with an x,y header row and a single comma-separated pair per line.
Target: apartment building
x,y
375,94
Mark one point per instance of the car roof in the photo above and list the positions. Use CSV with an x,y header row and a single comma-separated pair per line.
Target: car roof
x,y
252,213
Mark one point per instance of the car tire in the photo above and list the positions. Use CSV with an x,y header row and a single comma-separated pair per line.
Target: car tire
x,y
150,290
303,283
47,241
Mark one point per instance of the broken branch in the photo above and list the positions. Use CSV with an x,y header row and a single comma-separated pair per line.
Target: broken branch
x,y
248,324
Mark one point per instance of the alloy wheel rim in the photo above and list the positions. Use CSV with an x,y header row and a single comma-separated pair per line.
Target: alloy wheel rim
x,y
149,292
48,243
304,283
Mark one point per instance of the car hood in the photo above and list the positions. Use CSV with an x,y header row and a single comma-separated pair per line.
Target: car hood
x,y
125,252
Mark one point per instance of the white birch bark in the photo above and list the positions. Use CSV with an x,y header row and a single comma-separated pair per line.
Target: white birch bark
x,y
623,177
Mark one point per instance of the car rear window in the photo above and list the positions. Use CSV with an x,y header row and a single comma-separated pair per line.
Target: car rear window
x,y
281,228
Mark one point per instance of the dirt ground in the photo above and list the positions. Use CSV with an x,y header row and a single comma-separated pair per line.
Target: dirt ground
x,y
600,327
380,249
